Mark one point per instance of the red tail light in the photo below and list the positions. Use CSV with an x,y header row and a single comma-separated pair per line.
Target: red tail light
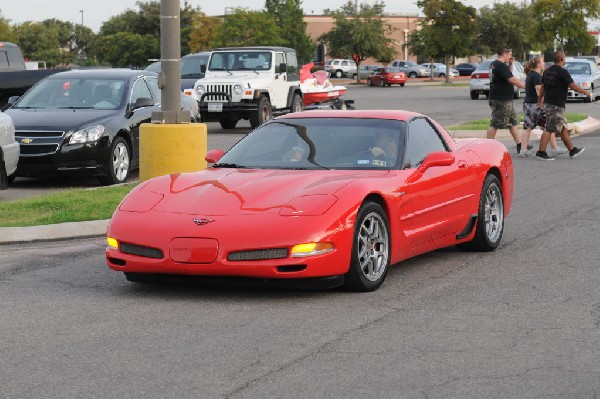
x,y
480,75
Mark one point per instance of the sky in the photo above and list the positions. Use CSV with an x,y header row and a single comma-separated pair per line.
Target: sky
x,y
95,12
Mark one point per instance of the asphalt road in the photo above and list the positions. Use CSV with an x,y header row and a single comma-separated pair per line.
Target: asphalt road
x,y
520,322
446,104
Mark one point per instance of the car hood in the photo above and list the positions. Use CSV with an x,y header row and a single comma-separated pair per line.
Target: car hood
x,y
578,78
236,77
59,119
232,192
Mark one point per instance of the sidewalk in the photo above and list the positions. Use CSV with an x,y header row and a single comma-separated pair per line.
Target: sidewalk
x,y
97,228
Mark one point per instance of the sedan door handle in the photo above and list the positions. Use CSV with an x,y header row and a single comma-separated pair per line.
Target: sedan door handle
x,y
462,164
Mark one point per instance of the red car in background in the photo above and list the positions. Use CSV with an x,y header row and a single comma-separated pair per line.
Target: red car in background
x,y
387,76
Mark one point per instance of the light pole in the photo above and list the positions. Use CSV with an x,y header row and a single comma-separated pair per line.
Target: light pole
x,y
81,11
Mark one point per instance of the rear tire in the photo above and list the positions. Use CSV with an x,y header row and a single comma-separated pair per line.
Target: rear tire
x,y
297,104
370,249
442,75
228,123
381,83
412,75
3,175
339,73
401,84
474,95
117,169
490,218
369,82
263,114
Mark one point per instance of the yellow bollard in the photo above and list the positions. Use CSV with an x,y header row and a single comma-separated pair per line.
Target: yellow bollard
x,y
172,148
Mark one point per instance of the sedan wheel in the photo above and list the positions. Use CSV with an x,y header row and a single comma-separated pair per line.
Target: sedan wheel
x,y
118,165
490,218
371,249
381,83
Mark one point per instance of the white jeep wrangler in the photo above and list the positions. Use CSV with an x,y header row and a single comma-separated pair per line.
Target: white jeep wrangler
x,y
251,83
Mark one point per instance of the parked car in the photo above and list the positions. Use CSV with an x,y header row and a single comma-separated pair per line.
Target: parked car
x,y
387,76
411,69
364,71
316,202
191,71
439,70
340,67
587,75
86,122
9,150
466,68
479,83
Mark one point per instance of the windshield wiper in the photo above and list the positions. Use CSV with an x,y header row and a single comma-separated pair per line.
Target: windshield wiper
x,y
75,107
228,165
191,75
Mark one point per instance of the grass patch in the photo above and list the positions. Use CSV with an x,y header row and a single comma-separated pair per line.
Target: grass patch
x,y
74,205
483,124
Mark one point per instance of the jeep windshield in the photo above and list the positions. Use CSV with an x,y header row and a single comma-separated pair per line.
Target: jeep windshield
x,y
240,61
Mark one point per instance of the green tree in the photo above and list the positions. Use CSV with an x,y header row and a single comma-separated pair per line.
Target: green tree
x,y
139,49
41,42
507,25
562,23
6,31
449,28
146,22
359,33
290,19
248,28
203,32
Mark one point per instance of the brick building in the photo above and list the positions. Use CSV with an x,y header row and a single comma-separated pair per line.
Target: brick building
x,y
403,23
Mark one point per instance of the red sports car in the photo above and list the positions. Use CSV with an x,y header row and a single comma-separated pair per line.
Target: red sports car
x,y
335,195
387,76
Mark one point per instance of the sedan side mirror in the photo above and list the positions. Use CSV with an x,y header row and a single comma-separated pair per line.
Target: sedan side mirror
x,y
213,156
12,100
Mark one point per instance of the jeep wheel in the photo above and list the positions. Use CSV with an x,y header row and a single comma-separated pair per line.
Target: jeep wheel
x,y
297,104
228,123
263,114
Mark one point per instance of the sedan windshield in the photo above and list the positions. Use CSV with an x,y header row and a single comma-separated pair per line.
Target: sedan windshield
x,y
80,93
578,68
320,143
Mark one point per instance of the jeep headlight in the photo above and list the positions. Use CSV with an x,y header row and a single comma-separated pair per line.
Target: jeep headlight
x,y
237,89
87,134
200,90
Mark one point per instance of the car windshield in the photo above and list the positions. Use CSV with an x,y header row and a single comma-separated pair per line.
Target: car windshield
x,y
578,68
190,67
485,65
240,61
75,93
392,69
319,143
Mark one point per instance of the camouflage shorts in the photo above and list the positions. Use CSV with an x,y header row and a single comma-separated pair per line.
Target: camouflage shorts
x,y
503,114
555,118
532,114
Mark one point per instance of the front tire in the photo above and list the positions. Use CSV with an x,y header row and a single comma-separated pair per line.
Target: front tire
x,y
412,75
117,169
370,250
381,83
263,114
339,74
3,175
490,218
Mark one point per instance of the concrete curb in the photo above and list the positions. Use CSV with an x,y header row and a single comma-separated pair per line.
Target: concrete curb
x,y
97,228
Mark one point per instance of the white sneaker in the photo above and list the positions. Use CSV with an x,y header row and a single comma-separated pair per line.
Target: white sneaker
x,y
526,154
559,151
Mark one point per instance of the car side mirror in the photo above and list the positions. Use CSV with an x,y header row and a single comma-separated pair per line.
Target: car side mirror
x,y
282,67
437,158
213,156
12,100
142,102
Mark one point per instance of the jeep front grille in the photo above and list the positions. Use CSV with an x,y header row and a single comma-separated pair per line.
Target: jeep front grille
x,y
218,88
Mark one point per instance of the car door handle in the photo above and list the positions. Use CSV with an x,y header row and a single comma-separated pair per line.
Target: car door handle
x,y
462,164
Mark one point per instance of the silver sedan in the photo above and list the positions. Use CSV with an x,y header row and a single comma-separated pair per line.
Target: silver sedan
x,y
587,75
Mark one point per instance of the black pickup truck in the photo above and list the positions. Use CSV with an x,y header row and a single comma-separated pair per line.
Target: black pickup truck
x,y
15,80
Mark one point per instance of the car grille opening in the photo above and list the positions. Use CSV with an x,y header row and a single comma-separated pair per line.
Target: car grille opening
x,y
117,262
291,268
138,250
258,254
218,89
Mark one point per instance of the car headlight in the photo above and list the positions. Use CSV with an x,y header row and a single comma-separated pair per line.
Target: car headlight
x,y
200,90
237,89
87,134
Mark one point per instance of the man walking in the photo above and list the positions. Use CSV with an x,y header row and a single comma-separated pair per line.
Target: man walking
x,y
556,83
501,96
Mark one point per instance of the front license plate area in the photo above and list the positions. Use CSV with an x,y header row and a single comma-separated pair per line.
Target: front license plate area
x,y
215,107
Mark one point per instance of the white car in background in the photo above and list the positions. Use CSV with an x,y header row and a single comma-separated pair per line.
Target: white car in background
x,y
480,79
9,150
439,70
587,75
